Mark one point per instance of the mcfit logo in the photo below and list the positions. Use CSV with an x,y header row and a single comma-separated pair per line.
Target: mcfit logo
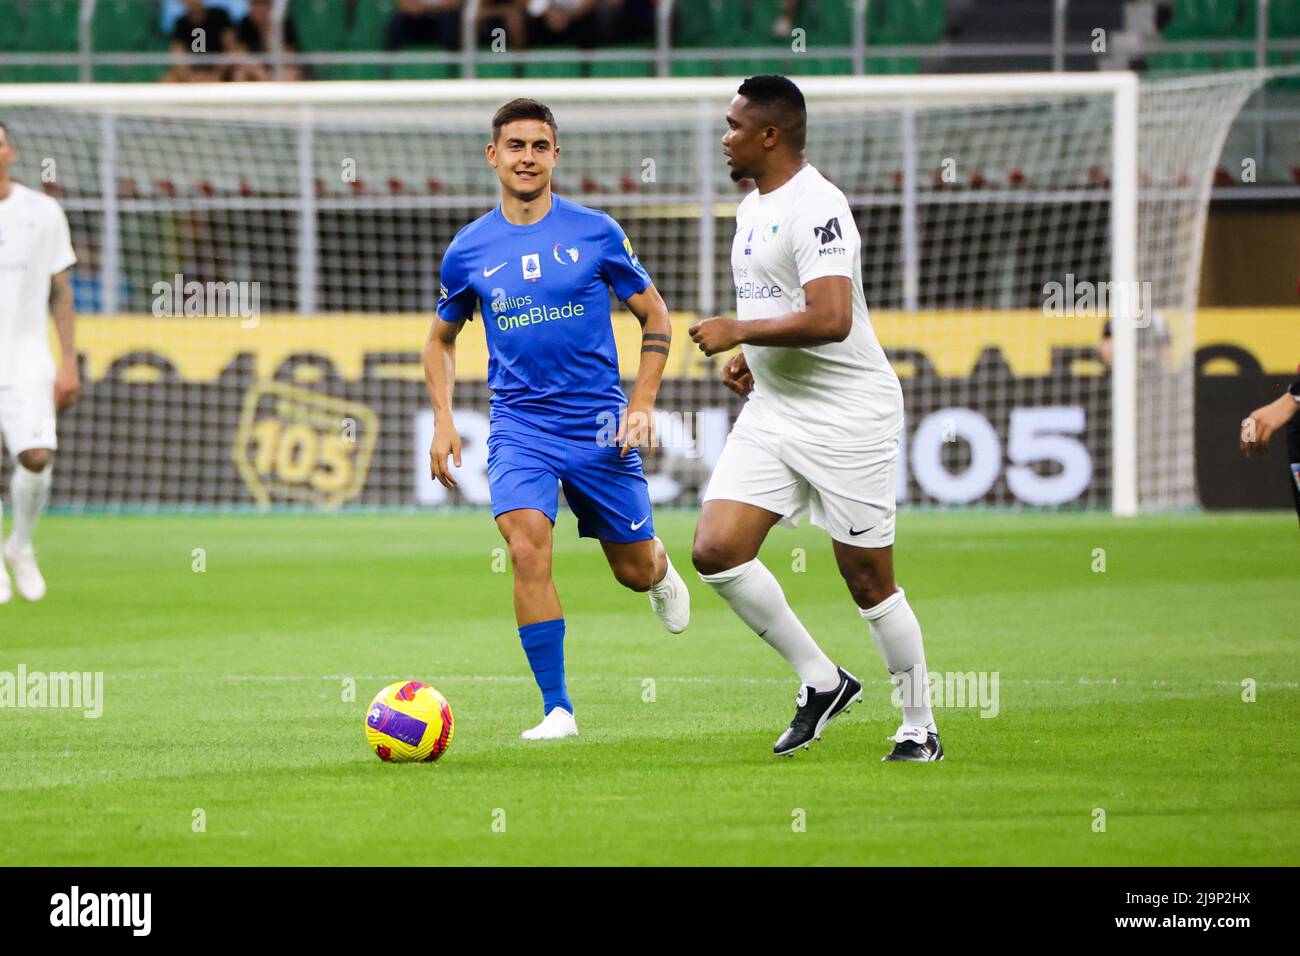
x,y
829,232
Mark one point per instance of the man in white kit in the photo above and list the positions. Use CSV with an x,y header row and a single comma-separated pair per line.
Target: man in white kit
x,y
35,256
819,432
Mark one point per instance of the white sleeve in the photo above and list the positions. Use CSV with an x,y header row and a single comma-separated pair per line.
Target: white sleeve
x,y
58,242
823,238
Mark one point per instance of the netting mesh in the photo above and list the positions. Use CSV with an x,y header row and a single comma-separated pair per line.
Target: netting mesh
x,y
255,283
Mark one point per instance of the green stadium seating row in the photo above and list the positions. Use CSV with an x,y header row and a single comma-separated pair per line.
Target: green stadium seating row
x,y
1224,19
38,27
1227,19
130,26
704,23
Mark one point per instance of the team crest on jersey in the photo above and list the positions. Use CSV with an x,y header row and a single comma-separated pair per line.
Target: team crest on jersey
x,y
769,231
829,232
563,254
532,264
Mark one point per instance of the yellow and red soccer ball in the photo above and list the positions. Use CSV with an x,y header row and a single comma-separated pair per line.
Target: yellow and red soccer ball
x,y
408,722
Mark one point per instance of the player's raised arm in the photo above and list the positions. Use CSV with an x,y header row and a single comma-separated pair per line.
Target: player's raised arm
x,y
67,380
439,378
637,428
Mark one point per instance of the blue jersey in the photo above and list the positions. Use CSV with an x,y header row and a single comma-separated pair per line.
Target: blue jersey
x,y
543,292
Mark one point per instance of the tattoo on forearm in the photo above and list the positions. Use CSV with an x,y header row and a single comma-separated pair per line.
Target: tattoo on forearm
x,y
656,337
661,349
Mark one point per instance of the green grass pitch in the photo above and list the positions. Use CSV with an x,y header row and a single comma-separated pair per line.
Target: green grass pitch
x,y
1119,691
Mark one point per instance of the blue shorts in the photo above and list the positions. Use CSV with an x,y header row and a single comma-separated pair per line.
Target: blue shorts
x,y
608,494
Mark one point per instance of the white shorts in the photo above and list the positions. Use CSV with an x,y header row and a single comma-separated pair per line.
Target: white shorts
x,y
850,493
27,417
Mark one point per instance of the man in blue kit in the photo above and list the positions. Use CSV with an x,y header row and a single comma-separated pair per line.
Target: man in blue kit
x,y
539,269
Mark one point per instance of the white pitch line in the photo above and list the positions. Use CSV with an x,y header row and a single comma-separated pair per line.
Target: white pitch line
x,y
523,678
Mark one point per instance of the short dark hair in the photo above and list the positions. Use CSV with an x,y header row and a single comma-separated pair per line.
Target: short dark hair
x,y
8,136
781,102
523,109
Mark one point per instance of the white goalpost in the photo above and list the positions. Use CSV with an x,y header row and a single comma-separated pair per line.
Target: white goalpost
x,y
257,264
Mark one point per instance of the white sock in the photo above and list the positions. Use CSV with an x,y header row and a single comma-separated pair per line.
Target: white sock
x,y
30,491
756,597
668,566
897,634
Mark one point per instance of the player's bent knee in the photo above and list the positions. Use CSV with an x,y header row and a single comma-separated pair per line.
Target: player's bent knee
x,y
636,577
868,590
35,459
712,557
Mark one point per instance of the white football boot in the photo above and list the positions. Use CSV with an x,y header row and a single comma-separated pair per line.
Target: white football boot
x,y
670,600
558,723
22,561
6,589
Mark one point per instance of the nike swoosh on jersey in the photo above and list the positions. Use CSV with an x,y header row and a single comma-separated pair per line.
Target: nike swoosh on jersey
x,y
638,525
856,533
488,272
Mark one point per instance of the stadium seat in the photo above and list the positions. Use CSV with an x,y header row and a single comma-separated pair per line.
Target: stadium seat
x,y
830,24
696,22
13,15
1283,23
46,27
903,23
323,26
906,22
1284,18
1179,61
12,38
52,26
555,69
893,65
424,71
1201,19
694,68
494,68
367,32
819,66
626,67
124,26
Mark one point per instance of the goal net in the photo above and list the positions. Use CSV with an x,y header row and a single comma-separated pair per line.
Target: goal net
x,y
257,267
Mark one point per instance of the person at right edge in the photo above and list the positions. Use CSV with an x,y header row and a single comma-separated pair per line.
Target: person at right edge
x,y
1263,423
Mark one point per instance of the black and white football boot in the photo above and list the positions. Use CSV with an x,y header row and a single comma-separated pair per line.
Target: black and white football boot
x,y
814,711
914,744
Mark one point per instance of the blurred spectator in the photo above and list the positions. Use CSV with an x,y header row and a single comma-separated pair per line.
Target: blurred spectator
x,y
589,23
253,36
204,31
88,286
437,23
784,24
173,10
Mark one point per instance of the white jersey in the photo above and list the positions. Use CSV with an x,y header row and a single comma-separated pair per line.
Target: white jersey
x,y
34,245
843,394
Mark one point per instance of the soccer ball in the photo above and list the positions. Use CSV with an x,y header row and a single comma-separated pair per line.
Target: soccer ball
x,y
409,721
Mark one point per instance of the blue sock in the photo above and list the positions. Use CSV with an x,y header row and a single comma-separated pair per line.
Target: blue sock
x,y
544,644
